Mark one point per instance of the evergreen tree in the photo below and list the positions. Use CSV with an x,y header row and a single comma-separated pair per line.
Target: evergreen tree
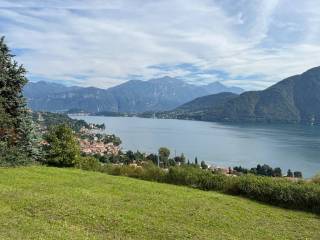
x,y
182,158
12,81
196,161
29,136
204,165
5,123
17,134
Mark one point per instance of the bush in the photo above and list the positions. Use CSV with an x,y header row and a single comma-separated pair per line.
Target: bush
x,y
196,177
153,173
299,195
182,176
316,179
88,163
275,191
148,172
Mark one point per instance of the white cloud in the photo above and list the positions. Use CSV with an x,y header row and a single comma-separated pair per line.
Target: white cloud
x,y
103,43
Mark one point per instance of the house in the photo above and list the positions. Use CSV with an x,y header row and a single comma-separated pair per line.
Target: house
x,y
97,147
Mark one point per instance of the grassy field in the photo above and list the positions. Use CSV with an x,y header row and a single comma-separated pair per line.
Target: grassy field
x,y
49,203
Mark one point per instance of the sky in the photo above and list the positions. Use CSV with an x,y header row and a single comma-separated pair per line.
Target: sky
x,y
246,43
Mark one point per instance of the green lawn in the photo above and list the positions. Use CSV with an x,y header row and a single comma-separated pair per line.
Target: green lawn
x,y
49,203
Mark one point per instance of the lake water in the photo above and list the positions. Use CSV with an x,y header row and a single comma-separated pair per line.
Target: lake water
x,y
286,146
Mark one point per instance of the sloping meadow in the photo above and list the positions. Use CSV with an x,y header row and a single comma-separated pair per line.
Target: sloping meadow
x,y
281,192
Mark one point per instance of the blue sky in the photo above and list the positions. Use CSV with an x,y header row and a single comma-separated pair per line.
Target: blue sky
x,y
246,43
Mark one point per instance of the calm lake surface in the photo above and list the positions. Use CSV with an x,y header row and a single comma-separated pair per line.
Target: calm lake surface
x,y
286,146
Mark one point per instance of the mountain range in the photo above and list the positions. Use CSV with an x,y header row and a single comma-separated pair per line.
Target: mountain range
x,y
293,100
134,96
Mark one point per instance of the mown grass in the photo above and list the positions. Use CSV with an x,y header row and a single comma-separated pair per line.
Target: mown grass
x,y
50,203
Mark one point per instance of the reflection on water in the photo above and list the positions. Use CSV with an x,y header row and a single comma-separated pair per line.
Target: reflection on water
x,y
286,146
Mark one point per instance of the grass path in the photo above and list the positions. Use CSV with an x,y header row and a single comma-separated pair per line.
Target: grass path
x,y
49,203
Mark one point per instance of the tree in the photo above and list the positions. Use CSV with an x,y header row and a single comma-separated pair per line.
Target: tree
x,y
289,173
130,156
277,172
180,159
171,162
297,174
112,139
138,156
29,137
204,165
196,161
12,81
153,158
16,130
164,153
62,148
5,123
253,171
259,170
264,170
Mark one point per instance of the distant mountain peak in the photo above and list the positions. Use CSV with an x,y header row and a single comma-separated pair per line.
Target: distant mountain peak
x,y
216,83
165,79
157,94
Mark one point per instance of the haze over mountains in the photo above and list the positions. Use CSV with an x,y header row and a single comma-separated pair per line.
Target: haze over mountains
x,y
133,96
293,100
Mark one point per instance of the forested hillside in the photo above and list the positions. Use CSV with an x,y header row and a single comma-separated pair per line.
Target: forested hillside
x,y
293,100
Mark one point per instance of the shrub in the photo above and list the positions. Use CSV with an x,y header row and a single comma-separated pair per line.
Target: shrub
x,y
149,172
88,163
153,173
316,179
275,191
184,175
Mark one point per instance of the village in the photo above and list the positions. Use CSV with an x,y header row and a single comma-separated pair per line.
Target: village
x,y
94,143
